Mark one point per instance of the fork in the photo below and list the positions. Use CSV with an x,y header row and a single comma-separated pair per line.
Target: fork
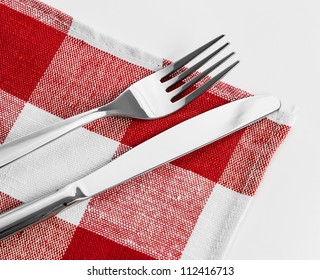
x,y
150,98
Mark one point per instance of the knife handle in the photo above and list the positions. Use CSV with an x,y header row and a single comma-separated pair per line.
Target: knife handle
x,y
31,213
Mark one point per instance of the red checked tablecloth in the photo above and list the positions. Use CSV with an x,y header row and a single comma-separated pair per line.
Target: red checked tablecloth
x,y
53,67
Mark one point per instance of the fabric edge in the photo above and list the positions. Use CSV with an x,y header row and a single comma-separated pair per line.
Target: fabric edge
x,y
113,46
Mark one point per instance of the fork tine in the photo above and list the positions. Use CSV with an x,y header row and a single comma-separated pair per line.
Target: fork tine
x,y
187,99
195,67
199,77
183,61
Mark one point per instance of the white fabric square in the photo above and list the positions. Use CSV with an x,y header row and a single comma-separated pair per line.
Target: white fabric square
x,y
56,164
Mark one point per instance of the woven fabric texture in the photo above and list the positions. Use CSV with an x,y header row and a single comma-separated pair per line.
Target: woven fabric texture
x,y
53,67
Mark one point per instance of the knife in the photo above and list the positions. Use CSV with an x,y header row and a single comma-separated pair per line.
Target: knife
x,y
164,147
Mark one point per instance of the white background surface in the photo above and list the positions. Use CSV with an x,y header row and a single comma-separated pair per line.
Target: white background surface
x,y
278,43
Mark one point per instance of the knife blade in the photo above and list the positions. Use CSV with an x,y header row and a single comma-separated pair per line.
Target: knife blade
x,y
164,147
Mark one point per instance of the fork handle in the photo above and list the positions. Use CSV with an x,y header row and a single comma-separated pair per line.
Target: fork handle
x,y
22,146
31,213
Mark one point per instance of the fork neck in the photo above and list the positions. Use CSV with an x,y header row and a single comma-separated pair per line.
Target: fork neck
x,y
127,105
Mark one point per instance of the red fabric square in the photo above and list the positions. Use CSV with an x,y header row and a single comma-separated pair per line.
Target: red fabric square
x,y
86,245
27,47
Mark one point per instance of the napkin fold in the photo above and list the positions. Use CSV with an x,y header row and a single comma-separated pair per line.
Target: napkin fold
x,y
53,67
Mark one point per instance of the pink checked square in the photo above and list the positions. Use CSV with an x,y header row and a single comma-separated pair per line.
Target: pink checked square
x,y
154,213
7,202
46,240
10,109
252,155
82,77
42,13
